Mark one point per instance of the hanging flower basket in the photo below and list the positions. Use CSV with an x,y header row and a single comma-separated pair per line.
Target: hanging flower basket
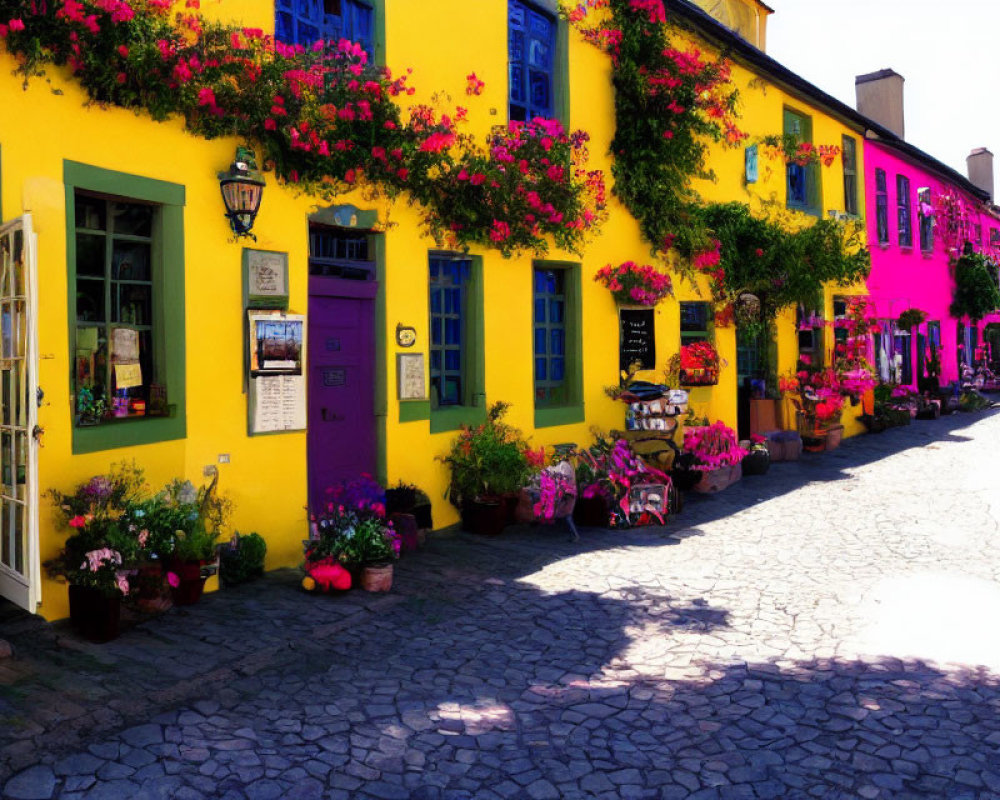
x,y
699,376
633,285
699,364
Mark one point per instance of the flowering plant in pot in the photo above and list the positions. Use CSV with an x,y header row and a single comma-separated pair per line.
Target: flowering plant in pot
x,y
615,482
105,542
757,461
348,540
488,465
698,364
632,284
202,515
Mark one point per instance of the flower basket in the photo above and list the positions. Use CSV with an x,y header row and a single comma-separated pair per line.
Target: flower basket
x,y
699,376
95,615
758,462
715,480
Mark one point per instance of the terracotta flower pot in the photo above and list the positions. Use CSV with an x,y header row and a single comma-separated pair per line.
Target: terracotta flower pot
x,y
377,578
149,589
94,615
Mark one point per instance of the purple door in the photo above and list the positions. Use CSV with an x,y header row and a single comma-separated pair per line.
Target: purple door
x,y
341,436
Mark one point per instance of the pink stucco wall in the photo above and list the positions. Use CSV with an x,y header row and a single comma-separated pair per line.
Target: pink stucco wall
x,y
904,277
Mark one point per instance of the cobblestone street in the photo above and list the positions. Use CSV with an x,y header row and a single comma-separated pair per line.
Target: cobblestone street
x,y
828,630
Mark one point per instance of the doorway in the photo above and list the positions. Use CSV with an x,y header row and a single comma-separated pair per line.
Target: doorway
x,y
341,438
20,570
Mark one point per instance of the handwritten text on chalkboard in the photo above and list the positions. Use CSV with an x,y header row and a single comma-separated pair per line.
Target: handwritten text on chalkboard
x,y
638,339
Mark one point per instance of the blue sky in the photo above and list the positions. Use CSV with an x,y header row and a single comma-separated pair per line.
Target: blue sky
x,y
949,54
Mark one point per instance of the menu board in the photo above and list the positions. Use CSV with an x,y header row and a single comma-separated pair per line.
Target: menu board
x,y
277,393
638,338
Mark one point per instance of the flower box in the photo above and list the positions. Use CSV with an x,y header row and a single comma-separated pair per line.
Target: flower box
x,y
784,445
699,376
715,480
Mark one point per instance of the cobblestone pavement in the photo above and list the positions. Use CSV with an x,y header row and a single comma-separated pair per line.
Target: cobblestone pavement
x,y
828,630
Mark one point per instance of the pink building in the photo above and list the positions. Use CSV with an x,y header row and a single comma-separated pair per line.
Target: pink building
x,y
922,214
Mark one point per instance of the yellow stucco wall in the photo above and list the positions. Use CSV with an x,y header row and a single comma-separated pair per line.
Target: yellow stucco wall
x,y
267,475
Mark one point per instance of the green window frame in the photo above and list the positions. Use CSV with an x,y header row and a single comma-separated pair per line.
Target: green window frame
x,y
167,285
520,35
850,157
557,303
471,410
801,182
695,322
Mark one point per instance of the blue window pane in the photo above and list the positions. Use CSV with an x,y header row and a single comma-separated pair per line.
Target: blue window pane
x,y
558,369
455,301
452,360
555,311
517,14
436,360
435,302
436,332
539,309
797,194
540,369
435,268
539,281
540,91
516,46
453,331
540,342
516,83
557,342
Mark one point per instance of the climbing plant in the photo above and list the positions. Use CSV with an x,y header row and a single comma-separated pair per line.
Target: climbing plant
x,y
326,120
976,290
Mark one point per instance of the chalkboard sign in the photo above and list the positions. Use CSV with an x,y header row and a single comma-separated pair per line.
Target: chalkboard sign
x,y
638,340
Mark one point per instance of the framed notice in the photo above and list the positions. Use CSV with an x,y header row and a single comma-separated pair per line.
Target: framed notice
x,y
277,384
410,376
637,342
265,279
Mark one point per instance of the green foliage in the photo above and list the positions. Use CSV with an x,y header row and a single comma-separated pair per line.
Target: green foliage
x,y
911,318
353,540
242,560
976,290
782,267
488,460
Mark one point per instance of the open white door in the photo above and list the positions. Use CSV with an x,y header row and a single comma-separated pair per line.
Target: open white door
x,y
20,570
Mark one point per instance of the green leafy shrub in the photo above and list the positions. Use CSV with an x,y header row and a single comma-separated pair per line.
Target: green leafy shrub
x,y
242,560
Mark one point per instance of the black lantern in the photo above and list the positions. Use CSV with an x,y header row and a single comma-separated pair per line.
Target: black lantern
x,y
242,189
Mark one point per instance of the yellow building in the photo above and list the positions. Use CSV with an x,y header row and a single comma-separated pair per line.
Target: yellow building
x,y
132,280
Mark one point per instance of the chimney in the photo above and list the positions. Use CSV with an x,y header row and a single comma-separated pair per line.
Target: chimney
x,y
980,163
880,98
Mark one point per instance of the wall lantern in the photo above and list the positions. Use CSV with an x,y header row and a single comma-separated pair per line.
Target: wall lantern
x,y
242,190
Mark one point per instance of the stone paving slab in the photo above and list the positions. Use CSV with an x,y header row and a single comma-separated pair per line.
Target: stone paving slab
x,y
827,630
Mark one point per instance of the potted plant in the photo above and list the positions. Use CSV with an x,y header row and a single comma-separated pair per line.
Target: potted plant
x,y
593,504
242,559
699,364
90,410
716,454
757,461
193,558
104,544
351,544
405,498
488,466
631,492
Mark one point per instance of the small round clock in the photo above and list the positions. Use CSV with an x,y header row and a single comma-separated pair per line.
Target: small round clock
x,y
406,336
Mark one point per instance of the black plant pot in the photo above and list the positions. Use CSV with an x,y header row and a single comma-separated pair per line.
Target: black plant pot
x,y
423,516
591,512
488,517
758,462
94,615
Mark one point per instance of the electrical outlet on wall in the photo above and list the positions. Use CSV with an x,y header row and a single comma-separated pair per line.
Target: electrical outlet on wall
x,y
224,458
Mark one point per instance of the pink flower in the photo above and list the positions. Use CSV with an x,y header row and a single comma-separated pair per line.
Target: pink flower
x,y
16,25
173,579
77,522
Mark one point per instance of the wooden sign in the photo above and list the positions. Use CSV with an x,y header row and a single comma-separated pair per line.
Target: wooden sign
x,y
638,338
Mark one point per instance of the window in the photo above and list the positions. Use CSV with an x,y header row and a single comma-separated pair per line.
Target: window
x,y
925,215
305,21
850,176
810,341
995,237
531,57
340,253
840,331
694,323
550,337
903,214
125,260
902,357
456,351
449,279
557,348
881,207
802,181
